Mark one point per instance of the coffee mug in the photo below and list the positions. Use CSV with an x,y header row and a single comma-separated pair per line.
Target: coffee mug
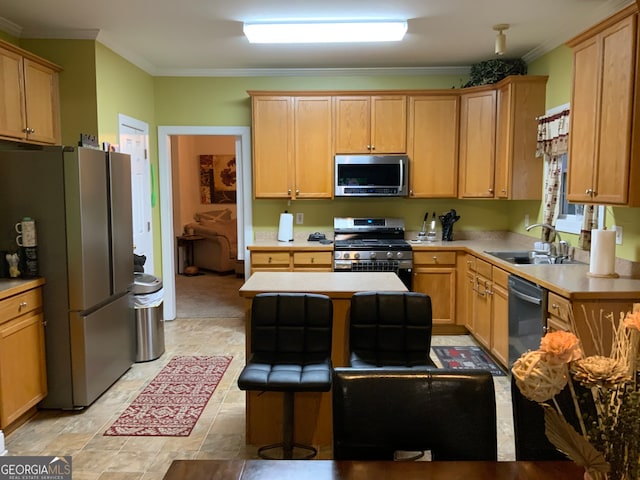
x,y
27,230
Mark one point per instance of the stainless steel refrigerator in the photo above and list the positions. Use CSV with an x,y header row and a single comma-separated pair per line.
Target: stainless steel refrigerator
x,y
80,199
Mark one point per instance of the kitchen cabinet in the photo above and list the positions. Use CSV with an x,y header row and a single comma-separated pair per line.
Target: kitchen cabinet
x,y
603,148
292,148
29,97
482,303
374,124
23,380
269,259
434,273
500,315
518,173
477,143
433,146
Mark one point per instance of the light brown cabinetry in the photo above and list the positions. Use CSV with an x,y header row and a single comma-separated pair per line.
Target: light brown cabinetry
x,y
433,146
518,173
482,303
292,150
500,315
290,260
370,124
23,380
434,273
477,143
603,158
29,97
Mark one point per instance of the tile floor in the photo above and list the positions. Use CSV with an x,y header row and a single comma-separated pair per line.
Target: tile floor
x,y
219,434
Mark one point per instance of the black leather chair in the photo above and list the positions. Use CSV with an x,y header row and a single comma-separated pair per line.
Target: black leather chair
x,y
379,412
290,352
390,330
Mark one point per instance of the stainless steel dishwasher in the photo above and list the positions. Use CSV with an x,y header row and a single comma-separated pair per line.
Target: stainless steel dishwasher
x,y
527,316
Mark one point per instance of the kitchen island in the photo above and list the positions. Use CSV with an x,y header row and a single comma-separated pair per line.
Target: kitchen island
x,y
312,410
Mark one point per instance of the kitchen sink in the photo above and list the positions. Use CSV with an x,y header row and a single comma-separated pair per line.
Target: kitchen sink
x,y
529,257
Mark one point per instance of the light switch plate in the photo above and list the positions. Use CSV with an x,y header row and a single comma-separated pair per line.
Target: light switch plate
x,y
618,235
299,218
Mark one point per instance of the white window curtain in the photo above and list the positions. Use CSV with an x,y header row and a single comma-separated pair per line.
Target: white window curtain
x,y
553,134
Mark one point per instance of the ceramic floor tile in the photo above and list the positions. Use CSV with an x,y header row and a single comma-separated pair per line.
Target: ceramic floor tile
x,y
219,433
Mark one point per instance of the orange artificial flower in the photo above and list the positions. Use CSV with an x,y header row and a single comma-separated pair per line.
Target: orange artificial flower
x,y
560,347
632,320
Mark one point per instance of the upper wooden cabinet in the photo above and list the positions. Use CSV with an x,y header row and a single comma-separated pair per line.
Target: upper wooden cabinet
x,y
433,146
603,156
29,97
370,124
477,143
518,173
292,152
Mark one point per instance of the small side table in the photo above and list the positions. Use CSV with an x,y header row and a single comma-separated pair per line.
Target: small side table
x,y
186,241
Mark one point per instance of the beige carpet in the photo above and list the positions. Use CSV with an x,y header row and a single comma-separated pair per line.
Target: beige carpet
x,y
209,296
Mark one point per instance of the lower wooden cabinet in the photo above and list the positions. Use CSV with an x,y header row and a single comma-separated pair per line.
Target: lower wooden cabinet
x,y
290,260
434,273
23,381
500,315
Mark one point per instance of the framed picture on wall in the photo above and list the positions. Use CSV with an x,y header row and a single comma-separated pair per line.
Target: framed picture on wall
x,y
217,179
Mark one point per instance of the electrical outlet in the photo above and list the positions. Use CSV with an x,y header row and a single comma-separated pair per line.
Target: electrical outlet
x,y
618,235
299,218
526,220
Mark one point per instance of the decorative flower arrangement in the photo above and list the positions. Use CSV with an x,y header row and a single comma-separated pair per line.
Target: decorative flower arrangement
x,y
605,394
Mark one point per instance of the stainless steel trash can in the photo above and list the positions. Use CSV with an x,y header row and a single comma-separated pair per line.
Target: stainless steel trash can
x,y
147,303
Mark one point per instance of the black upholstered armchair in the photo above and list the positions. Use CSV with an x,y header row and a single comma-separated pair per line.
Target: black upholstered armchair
x,y
378,412
390,329
290,352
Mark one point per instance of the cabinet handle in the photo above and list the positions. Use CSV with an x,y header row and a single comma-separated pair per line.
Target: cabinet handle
x,y
372,147
289,192
555,306
491,190
589,191
297,191
313,259
269,259
435,258
504,190
22,305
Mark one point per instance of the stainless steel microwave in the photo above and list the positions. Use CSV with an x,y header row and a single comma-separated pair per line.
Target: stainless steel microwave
x,y
371,175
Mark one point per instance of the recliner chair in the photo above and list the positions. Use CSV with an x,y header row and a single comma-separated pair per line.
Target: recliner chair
x,y
378,412
390,330
290,352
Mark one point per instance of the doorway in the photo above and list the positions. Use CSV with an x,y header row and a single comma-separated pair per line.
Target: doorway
x,y
244,208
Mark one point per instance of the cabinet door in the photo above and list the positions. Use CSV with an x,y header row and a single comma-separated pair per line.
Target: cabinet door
x,y
276,261
477,144
22,366
601,117
12,113
440,285
433,146
482,306
313,152
42,103
272,146
518,174
352,124
389,124
500,326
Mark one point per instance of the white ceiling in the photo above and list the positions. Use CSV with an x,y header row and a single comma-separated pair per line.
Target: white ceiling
x,y
204,37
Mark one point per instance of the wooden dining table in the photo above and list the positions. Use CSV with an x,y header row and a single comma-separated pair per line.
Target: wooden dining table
x,y
369,470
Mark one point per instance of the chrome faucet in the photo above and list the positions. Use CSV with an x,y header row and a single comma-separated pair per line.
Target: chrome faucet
x,y
562,252
546,225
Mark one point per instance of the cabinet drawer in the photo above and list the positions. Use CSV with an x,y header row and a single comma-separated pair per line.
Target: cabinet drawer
x,y
500,277
270,258
483,268
434,258
554,324
558,306
313,259
20,304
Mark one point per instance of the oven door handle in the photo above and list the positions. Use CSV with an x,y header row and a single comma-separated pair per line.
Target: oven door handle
x,y
526,298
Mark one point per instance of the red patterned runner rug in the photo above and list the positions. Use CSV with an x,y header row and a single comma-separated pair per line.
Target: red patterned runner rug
x,y
172,403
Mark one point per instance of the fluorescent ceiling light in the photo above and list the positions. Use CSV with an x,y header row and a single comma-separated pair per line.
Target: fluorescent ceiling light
x,y
325,32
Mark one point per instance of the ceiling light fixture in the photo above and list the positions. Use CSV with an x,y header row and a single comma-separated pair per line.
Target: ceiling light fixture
x,y
325,32
501,38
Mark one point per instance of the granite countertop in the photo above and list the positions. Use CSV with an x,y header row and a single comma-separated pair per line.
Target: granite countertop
x,y
13,286
570,281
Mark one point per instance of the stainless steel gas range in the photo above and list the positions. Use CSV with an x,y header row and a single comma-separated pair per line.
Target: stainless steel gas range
x,y
372,244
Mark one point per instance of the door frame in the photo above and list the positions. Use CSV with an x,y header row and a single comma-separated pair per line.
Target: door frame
x,y
243,193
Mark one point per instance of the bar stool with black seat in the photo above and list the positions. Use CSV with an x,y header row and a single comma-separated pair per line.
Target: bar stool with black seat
x,y
290,352
390,330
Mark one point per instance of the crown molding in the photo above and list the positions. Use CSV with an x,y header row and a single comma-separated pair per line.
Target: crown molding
x,y
10,27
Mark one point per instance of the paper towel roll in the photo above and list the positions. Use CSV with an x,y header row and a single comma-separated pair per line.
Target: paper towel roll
x,y
285,230
603,253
